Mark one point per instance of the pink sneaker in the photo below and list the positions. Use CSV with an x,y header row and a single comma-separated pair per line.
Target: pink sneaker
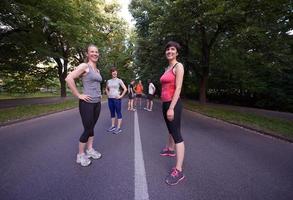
x,y
174,177
168,152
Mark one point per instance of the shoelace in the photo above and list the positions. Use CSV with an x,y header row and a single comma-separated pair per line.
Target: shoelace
x,y
92,151
174,173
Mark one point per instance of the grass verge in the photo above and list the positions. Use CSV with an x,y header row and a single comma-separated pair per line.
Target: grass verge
x,y
29,111
17,113
21,96
278,127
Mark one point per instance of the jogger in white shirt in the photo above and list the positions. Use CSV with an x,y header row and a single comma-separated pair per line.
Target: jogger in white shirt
x,y
150,97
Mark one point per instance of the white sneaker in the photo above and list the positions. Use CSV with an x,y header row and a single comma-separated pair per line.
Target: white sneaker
x,y
118,130
83,160
91,153
112,128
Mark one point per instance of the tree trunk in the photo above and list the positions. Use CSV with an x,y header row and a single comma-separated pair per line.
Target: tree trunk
x,y
202,89
62,73
206,46
63,88
205,62
63,47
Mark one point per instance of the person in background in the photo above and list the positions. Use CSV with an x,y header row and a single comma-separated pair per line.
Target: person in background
x,y
114,100
89,103
150,96
138,93
171,82
131,95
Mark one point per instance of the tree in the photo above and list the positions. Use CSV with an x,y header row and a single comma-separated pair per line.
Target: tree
x,y
239,45
196,27
56,31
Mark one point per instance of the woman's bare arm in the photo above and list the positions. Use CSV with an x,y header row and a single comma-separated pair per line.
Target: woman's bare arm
x,y
179,72
70,80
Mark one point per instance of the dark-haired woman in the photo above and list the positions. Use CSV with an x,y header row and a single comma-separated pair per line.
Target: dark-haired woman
x,y
114,100
171,82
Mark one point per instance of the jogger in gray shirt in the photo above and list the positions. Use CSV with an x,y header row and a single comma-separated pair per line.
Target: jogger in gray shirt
x,y
89,103
114,100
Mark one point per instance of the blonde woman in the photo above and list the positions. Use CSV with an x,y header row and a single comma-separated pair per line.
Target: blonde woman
x,y
89,103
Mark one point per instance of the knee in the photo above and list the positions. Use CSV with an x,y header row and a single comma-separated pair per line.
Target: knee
x,y
91,134
178,140
176,135
85,136
112,114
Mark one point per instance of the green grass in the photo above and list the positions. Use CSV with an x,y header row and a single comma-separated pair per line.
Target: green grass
x,y
266,124
28,111
28,95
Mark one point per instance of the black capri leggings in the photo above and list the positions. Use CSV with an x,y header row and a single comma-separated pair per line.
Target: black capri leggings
x,y
174,126
89,113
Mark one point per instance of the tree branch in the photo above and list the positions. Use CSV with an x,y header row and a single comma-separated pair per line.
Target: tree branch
x,y
214,38
5,34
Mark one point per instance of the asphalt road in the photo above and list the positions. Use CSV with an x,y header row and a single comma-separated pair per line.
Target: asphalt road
x,y
37,160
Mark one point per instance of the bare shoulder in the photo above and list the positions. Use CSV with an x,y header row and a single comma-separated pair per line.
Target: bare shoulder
x,y
82,66
178,68
179,65
78,71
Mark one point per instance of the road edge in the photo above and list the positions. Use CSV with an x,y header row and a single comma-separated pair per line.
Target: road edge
x,y
255,130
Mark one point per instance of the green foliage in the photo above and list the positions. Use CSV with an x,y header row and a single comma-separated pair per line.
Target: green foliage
x,y
242,47
57,31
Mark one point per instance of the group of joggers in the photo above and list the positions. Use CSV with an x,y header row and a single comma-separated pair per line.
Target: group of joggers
x,y
135,92
90,105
